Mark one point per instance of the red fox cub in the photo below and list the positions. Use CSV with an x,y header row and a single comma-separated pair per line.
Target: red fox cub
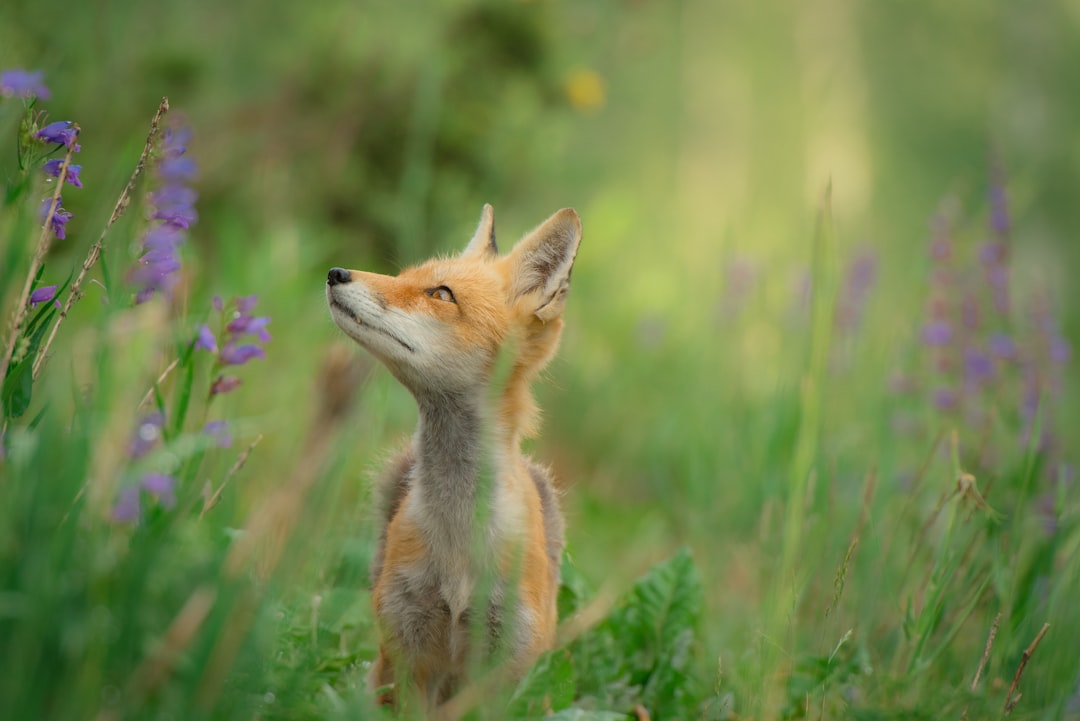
x,y
439,328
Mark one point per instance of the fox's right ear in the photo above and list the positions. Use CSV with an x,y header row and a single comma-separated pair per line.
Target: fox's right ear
x,y
483,241
541,262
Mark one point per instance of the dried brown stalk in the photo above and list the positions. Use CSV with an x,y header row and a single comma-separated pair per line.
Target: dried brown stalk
x,y
212,500
1012,698
95,250
22,309
983,660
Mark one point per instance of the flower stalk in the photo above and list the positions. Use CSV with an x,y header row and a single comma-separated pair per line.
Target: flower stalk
x,y
22,308
95,250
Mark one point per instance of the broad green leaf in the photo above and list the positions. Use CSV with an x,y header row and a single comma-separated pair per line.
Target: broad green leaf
x,y
549,685
19,387
643,652
577,714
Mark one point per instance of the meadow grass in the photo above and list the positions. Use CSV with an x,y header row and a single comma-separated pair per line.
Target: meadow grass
x,y
788,494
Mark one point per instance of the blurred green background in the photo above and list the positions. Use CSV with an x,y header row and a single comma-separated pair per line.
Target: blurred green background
x,y
697,140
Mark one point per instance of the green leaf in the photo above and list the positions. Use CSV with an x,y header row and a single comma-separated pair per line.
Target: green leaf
x,y
643,652
573,588
184,389
343,608
577,714
549,685
18,387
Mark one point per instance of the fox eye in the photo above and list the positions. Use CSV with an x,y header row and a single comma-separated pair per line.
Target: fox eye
x,y
442,293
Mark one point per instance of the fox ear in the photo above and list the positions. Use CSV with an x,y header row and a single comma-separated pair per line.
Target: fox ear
x,y
483,241
541,262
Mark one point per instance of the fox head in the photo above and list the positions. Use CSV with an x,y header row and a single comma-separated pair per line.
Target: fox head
x,y
439,326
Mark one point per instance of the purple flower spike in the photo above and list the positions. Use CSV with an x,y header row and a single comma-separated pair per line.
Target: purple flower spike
x,y
219,431
127,507
224,384
235,355
176,169
43,295
24,84
60,217
219,304
173,204
162,487
205,339
52,169
63,132
937,333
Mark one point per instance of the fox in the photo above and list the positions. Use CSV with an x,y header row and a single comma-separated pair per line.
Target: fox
x,y
466,335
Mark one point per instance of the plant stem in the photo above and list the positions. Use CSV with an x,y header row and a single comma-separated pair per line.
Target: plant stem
x,y
44,241
95,250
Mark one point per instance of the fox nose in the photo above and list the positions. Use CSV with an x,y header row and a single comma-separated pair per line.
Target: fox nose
x,y
337,276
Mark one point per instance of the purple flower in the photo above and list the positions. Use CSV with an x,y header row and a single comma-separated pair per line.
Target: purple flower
x,y
160,486
1029,400
205,339
155,271
219,431
60,217
246,303
969,312
163,237
992,252
250,325
941,240
176,169
978,367
175,141
63,132
937,333
219,304
945,399
235,355
23,84
127,508
224,384
1060,352
174,204
999,202
860,279
43,295
147,434
1002,346
52,169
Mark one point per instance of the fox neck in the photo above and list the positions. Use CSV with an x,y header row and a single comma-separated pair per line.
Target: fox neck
x,y
450,452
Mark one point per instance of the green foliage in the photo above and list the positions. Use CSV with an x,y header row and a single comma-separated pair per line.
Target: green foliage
x,y
644,651
849,556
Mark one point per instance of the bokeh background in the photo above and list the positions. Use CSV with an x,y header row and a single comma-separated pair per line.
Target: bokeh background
x,y
727,160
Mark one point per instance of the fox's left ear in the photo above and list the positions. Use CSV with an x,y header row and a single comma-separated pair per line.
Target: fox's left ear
x,y
483,240
541,262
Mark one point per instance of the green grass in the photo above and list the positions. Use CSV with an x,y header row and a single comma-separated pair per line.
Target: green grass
x,y
763,520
